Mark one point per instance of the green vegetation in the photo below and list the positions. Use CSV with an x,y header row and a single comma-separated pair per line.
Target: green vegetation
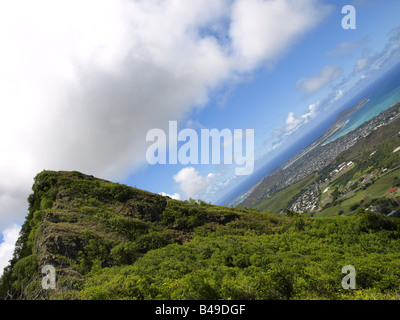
x,y
282,200
109,241
262,256
77,222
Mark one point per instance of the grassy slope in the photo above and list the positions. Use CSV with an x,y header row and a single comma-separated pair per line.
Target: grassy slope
x,y
76,221
281,200
109,241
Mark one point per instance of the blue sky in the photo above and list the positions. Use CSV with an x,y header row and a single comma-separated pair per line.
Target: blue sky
x,y
264,99
84,81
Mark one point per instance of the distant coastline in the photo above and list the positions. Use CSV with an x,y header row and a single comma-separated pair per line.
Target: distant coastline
x,y
313,158
376,98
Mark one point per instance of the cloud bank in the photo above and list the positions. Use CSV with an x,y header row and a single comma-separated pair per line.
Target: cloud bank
x,y
317,82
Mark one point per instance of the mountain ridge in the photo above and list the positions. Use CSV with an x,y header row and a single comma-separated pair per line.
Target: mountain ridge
x,y
71,211
109,241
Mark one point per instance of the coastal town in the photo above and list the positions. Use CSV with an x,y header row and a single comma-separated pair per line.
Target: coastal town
x,y
316,157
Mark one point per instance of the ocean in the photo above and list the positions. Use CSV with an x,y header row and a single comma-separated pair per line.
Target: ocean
x,y
382,94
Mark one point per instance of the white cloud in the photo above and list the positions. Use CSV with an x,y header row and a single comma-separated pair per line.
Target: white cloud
x,y
292,122
225,183
10,236
277,132
338,96
362,64
265,29
368,65
82,82
312,112
191,183
345,48
175,196
317,82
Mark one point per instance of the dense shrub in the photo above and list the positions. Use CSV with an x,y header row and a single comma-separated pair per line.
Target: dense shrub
x,y
128,244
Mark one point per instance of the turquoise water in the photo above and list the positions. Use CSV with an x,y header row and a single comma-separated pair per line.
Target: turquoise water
x,y
382,96
383,93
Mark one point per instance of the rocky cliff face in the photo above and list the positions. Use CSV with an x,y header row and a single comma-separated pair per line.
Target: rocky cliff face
x,y
76,222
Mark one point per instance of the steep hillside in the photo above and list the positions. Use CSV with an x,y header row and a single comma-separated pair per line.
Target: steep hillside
x,y
77,221
110,241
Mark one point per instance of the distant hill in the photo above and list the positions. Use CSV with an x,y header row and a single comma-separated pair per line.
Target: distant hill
x,y
111,241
